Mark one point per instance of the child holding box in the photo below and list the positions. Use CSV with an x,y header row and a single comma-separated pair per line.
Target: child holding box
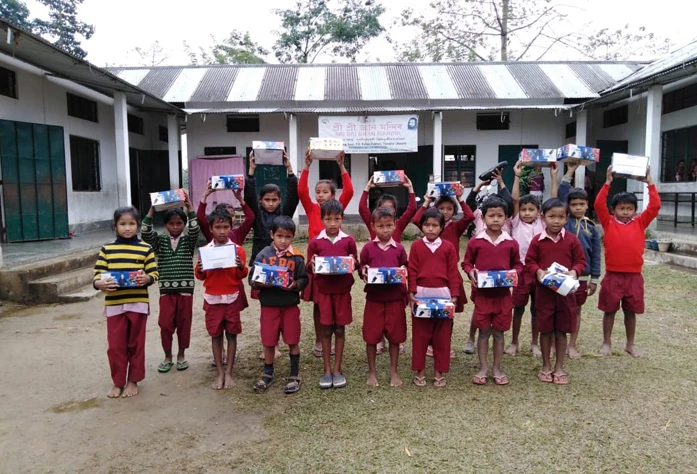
x,y
390,202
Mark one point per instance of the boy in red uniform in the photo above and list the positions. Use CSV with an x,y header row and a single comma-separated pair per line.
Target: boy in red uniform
x,y
222,297
491,249
624,258
432,273
389,201
332,293
556,314
384,313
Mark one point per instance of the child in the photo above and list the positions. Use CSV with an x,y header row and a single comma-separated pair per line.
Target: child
x,y
583,228
332,293
389,201
280,313
384,313
324,190
492,249
176,283
433,273
555,314
126,309
526,224
222,299
624,258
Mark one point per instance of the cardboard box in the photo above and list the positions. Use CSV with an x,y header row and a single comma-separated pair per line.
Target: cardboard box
x,y
218,256
229,181
538,156
497,279
326,148
333,265
388,178
450,188
561,283
434,308
271,275
163,200
268,153
629,166
557,268
387,275
584,155
122,279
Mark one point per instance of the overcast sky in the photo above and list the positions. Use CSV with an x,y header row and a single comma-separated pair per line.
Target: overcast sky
x,y
124,24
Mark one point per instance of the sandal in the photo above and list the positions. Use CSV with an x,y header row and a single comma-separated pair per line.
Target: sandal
x,y
501,379
545,376
439,382
479,379
182,365
292,386
263,383
317,352
561,379
419,381
165,367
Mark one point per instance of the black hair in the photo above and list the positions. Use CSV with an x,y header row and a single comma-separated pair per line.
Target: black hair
x,y
444,199
219,215
328,182
222,206
529,199
387,198
269,188
625,198
432,213
126,210
492,203
553,203
174,212
331,206
284,223
382,212
577,193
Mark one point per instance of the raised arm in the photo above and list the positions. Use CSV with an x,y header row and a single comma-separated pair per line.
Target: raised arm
x,y
554,177
148,233
201,213
363,209
515,192
652,210
600,206
303,187
347,191
410,211
248,222
565,185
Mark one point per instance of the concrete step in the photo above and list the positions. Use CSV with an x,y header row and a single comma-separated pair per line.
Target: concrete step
x,y
670,258
48,289
85,293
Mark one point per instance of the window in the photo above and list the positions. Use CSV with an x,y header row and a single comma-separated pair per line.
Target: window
x,y
82,108
679,155
570,130
493,121
242,123
328,169
616,116
459,164
680,99
135,124
8,83
164,134
84,162
219,150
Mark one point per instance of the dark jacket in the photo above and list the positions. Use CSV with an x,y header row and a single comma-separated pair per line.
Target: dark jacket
x,y
586,232
293,261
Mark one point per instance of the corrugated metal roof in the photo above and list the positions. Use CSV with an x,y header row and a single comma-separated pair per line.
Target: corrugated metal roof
x,y
405,82
215,85
185,85
368,109
310,85
570,85
134,76
159,81
247,84
534,81
469,82
616,71
342,84
502,82
278,84
374,83
438,83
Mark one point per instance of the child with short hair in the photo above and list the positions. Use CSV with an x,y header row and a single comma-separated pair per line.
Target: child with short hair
x,y
126,308
555,314
624,258
491,249
389,201
332,293
174,251
384,314
583,228
280,313
222,299
433,273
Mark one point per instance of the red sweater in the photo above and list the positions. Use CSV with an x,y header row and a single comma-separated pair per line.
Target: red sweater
x,y
434,269
223,281
544,252
454,229
373,256
344,247
624,243
400,224
312,209
237,235
483,255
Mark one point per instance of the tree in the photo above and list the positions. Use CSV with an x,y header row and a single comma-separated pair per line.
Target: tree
x,y
15,12
313,28
152,56
486,30
237,48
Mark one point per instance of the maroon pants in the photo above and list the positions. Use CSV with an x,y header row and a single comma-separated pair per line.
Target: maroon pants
x,y
425,330
176,312
125,334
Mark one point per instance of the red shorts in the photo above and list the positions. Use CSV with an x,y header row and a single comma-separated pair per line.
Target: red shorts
x,y
277,320
223,317
624,288
388,318
489,311
334,309
525,290
581,294
554,312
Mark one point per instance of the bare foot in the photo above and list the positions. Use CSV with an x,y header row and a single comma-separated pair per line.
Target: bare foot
x,y
511,350
262,356
402,349
452,353
229,383
536,352
372,380
634,352
219,382
131,390
573,353
278,353
396,381
115,392
605,350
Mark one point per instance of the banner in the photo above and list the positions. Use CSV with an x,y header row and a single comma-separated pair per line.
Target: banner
x,y
373,134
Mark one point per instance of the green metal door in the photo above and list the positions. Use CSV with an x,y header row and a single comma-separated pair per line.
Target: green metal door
x,y
607,148
266,174
32,159
510,154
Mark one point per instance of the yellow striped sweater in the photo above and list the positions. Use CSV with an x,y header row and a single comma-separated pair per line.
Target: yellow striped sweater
x,y
126,255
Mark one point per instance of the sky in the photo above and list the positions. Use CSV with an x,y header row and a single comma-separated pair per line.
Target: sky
x,y
126,24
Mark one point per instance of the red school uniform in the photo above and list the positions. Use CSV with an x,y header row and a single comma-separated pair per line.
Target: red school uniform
x,y
312,209
554,312
384,312
400,224
332,293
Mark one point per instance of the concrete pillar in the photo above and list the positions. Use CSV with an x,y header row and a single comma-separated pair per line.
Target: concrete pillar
x,y
581,139
123,168
173,149
438,146
652,146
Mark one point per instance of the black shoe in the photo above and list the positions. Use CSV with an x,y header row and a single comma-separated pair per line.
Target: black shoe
x,y
489,174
